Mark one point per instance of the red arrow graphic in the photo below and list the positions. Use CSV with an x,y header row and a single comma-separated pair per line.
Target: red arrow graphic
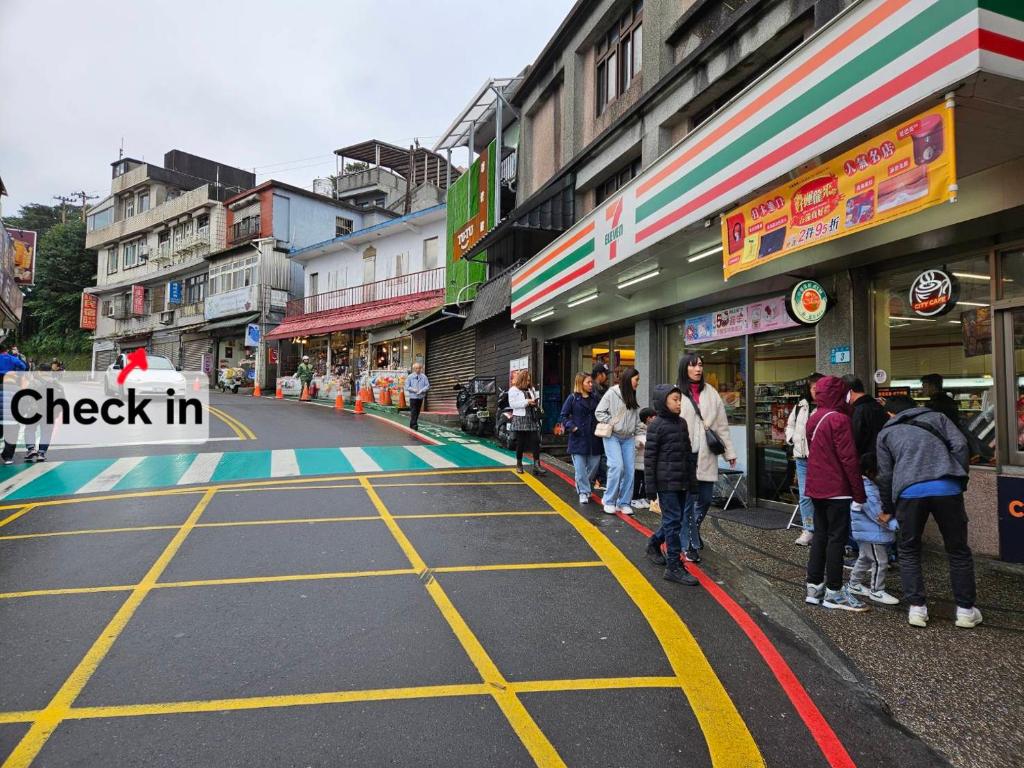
x,y
136,359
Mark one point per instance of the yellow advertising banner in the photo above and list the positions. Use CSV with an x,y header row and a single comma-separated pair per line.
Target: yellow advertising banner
x,y
902,171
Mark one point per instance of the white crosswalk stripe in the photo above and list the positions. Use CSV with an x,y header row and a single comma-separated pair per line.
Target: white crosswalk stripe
x,y
112,475
490,453
24,478
283,463
201,469
360,460
431,458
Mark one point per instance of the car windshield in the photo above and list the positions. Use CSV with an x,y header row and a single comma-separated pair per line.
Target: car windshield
x,y
159,364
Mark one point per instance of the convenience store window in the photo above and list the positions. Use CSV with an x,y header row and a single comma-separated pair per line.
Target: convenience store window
x,y
957,346
1016,354
617,353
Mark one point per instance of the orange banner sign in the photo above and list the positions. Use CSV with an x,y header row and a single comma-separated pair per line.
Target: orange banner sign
x,y
902,171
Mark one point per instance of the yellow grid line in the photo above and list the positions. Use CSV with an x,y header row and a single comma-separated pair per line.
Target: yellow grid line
x,y
532,737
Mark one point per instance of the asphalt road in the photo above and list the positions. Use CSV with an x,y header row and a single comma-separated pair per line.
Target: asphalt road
x,y
456,615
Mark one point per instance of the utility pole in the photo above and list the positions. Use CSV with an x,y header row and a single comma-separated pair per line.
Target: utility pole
x,y
408,181
84,198
64,207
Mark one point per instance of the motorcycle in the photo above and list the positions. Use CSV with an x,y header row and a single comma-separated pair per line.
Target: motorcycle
x,y
472,405
503,422
230,378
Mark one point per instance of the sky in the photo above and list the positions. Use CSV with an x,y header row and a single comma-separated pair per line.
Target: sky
x,y
270,85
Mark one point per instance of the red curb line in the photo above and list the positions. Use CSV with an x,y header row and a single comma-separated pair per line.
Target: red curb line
x,y
832,748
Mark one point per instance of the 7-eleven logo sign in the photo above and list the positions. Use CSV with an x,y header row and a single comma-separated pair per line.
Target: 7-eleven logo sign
x,y
613,215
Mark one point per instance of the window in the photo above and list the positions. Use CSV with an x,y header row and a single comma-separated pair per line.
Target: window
x,y
618,180
230,275
314,284
401,264
369,265
1015,344
128,207
342,226
1011,273
100,219
194,289
247,227
143,204
106,308
129,254
112,260
619,56
430,253
203,221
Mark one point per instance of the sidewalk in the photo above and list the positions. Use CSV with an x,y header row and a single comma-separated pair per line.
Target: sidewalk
x,y
960,690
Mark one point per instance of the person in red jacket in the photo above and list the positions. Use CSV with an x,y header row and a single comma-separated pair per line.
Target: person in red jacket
x,y
835,487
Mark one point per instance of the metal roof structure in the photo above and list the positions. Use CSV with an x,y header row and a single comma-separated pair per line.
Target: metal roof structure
x,y
479,110
425,164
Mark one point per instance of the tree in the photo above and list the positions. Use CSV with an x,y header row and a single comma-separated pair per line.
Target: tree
x,y
35,216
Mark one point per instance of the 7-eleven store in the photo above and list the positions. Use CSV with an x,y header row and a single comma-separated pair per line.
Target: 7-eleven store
x,y
636,278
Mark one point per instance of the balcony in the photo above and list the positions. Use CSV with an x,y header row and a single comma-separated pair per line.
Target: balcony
x,y
183,250
194,310
370,179
432,280
147,220
246,229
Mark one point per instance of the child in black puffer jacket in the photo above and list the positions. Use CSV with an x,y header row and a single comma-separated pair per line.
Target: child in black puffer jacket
x,y
669,472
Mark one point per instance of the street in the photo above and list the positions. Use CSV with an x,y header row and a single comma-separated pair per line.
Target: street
x,y
327,589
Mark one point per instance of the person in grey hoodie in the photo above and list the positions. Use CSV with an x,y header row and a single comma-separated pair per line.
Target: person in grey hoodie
x,y
923,463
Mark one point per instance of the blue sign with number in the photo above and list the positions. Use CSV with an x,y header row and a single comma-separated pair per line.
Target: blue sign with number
x,y
252,335
174,293
839,355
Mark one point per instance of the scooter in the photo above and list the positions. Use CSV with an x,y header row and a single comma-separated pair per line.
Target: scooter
x,y
503,421
472,402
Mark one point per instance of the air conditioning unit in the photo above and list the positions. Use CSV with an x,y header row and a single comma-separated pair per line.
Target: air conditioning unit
x,y
143,254
166,318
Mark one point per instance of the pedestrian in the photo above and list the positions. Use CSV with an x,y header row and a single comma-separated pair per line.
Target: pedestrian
x,y
600,374
9,362
618,415
874,531
305,375
835,487
796,436
37,436
670,472
639,485
923,468
55,365
526,413
868,415
938,399
708,427
416,386
579,421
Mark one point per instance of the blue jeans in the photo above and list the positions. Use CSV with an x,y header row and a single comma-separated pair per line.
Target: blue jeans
x,y
806,505
586,468
621,454
672,504
694,511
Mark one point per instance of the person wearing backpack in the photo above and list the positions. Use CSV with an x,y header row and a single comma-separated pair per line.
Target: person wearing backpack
x,y
923,468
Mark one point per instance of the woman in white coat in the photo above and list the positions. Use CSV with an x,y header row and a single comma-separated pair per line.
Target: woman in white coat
x,y
796,436
619,409
703,409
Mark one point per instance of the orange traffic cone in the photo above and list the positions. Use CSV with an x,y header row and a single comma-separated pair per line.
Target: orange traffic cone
x,y
256,392
385,396
305,393
339,403
359,404
195,384
401,399
279,392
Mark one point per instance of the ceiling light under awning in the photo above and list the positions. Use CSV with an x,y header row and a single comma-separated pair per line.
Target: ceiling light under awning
x,y
639,279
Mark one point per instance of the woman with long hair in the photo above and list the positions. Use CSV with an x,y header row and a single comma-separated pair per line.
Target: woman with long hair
x,y
708,426
796,436
524,401
620,409
579,421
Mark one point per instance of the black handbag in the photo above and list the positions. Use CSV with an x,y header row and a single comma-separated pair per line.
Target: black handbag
x,y
715,444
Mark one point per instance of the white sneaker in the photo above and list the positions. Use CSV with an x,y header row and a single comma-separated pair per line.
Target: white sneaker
x,y
918,616
643,504
625,509
635,504
882,597
859,589
584,498
804,539
610,509
968,617
814,593
842,600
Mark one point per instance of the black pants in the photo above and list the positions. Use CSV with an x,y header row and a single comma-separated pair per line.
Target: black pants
x,y
951,518
10,440
831,530
527,442
415,405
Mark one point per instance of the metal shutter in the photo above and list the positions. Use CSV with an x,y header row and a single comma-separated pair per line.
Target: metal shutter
x,y
192,354
168,346
104,359
451,358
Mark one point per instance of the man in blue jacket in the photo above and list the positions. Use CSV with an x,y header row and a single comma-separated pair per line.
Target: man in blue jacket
x,y
8,363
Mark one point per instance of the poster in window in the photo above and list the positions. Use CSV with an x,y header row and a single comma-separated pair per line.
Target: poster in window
x,y
780,415
976,326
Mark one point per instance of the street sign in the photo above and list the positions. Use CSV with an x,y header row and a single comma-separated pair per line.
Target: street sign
x,y
174,292
252,335
839,355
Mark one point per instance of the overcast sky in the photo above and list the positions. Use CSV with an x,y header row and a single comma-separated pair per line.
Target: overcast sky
x,y
273,85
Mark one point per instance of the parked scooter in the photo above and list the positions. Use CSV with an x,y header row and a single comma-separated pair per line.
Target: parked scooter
x,y
472,404
503,421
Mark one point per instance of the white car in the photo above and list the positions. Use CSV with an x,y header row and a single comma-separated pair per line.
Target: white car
x,y
160,376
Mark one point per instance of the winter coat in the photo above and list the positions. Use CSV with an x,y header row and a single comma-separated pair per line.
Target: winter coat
x,y
908,454
833,465
639,447
868,419
580,422
9,362
864,522
304,373
612,408
796,428
517,400
712,411
945,405
668,461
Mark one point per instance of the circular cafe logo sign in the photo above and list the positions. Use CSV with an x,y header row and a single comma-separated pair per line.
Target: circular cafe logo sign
x,y
807,302
933,293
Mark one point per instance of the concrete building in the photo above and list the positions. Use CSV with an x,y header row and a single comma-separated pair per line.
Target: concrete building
x,y
151,235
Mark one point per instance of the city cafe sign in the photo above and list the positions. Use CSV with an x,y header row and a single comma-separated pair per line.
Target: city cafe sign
x,y
934,292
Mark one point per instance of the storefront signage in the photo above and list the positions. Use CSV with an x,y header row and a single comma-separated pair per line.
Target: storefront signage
x,y
893,392
881,376
761,316
231,303
839,355
470,216
24,241
138,300
252,335
174,292
1011,518
87,312
934,292
899,172
517,365
807,302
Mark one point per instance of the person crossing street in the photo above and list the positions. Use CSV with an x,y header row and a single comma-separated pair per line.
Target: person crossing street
x,y
304,373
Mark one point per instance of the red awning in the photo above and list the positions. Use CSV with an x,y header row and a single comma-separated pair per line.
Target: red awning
x,y
365,316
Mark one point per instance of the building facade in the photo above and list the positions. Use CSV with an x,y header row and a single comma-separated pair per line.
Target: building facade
x,y
734,182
